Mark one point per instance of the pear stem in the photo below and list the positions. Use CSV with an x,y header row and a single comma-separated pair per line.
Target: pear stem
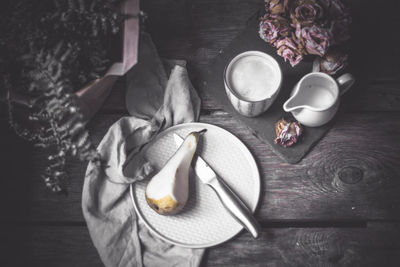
x,y
202,132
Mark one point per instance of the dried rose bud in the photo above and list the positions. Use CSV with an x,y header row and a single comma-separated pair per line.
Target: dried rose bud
x,y
289,50
287,133
306,13
316,39
334,61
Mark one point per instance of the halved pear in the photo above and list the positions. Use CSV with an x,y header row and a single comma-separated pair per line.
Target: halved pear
x,y
168,191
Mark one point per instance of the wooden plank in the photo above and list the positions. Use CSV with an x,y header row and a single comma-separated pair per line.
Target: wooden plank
x,y
376,96
47,246
376,245
196,29
352,174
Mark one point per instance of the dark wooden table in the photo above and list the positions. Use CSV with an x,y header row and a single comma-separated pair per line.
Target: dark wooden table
x,y
340,206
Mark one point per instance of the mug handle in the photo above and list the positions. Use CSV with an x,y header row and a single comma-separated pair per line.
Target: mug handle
x,y
345,82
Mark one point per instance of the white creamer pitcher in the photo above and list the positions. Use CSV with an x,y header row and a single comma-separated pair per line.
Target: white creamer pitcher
x,y
315,98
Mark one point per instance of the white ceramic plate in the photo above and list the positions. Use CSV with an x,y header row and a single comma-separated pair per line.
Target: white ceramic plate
x,y
203,222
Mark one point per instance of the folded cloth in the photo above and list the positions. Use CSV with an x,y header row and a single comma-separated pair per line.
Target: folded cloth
x,y
155,103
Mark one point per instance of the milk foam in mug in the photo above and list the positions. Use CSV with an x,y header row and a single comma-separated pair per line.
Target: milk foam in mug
x,y
252,82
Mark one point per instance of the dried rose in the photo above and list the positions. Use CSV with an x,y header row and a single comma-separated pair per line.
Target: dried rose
x,y
268,30
306,13
334,61
289,50
273,27
276,6
340,31
301,27
315,39
336,10
287,133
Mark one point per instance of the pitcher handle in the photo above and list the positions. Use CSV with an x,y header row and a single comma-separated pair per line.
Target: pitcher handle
x,y
345,82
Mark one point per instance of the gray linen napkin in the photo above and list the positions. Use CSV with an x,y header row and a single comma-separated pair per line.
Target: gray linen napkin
x,y
155,103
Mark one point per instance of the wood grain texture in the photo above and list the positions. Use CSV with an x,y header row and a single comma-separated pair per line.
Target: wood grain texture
x,y
375,245
47,246
347,176
196,30
375,97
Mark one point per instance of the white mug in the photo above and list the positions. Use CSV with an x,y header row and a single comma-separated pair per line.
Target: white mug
x,y
252,82
315,98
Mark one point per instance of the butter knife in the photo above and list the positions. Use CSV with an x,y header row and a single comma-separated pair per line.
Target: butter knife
x,y
233,204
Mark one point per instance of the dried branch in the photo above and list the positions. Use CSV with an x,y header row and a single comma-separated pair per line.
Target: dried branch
x,y
49,50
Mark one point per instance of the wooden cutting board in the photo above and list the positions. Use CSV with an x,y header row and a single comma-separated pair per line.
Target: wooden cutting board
x,y
263,126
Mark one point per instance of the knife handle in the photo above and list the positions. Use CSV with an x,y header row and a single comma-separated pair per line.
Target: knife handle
x,y
235,206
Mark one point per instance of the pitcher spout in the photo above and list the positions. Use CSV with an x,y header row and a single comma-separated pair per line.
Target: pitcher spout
x,y
291,105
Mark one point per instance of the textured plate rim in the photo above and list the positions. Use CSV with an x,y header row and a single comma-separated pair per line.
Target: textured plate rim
x,y
242,147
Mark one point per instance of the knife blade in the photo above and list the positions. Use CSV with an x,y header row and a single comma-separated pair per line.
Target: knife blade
x,y
233,204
